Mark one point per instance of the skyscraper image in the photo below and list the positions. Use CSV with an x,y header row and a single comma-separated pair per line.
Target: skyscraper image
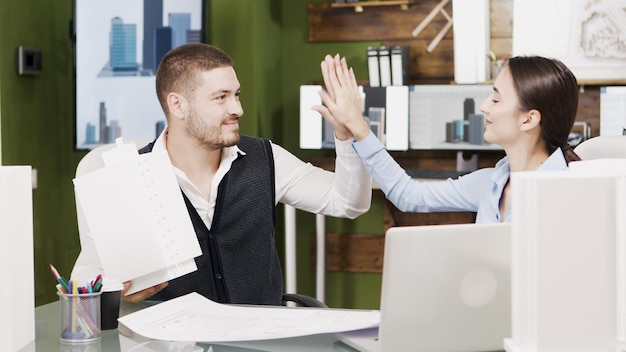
x,y
90,133
123,53
194,36
152,19
103,123
162,44
180,23
115,131
108,131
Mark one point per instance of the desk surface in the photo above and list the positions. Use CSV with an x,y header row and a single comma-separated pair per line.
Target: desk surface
x,y
48,327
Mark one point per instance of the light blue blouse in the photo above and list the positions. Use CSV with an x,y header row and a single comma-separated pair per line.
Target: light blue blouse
x,y
478,191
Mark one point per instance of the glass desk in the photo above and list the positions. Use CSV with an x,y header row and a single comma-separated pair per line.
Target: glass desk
x,y
48,328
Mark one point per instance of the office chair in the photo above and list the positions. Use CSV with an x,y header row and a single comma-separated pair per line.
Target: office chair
x,y
93,161
602,147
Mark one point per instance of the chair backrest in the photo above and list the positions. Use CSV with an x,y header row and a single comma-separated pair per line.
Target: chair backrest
x,y
602,147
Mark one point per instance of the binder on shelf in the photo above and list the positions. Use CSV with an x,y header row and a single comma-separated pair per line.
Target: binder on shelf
x,y
384,61
372,66
400,64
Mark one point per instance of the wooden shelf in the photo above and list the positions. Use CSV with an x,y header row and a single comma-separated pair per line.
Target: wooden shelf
x,y
602,82
360,5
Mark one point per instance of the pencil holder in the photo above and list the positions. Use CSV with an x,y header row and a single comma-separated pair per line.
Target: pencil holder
x,y
80,317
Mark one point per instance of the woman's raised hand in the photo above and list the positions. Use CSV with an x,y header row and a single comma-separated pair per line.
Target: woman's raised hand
x,y
342,100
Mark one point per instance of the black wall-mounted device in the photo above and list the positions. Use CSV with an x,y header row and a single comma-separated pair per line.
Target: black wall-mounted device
x,y
28,61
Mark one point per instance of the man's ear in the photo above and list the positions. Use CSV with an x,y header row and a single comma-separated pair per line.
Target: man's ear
x,y
530,119
176,105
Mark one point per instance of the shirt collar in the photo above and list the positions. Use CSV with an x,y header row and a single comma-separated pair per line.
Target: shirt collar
x,y
501,175
555,162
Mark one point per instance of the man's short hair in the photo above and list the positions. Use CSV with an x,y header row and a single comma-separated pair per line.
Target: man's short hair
x,y
178,70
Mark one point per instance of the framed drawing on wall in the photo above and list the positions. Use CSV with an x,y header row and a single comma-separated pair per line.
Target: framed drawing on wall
x,y
589,36
118,45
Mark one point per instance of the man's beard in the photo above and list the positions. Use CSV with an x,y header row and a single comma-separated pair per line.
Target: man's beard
x,y
209,137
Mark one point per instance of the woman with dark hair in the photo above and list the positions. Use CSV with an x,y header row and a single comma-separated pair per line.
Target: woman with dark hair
x,y
529,113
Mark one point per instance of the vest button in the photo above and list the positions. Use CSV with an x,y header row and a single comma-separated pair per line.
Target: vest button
x,y
218,276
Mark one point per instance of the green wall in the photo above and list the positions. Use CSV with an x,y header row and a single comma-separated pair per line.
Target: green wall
x,y
36,119
268,41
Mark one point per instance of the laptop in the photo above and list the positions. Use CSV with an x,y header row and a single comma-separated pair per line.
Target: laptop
x,y
444,288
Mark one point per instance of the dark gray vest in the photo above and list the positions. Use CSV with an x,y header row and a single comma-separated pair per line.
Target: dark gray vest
x,y
239,263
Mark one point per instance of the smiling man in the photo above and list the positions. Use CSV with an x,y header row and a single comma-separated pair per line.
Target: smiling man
x,y
231,183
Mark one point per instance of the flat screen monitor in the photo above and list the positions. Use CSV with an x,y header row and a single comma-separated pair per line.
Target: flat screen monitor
x,y
118,45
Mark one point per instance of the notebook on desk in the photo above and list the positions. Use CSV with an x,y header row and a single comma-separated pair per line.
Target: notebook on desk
x,y
444,288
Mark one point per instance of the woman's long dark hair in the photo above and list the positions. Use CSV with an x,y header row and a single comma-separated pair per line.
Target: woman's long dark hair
x,y
548,86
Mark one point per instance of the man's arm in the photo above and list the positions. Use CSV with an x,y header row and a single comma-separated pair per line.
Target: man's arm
x,y
347,192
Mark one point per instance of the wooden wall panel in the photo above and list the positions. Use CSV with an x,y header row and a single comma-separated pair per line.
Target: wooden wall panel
x,y
393,26
356,253
327,23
